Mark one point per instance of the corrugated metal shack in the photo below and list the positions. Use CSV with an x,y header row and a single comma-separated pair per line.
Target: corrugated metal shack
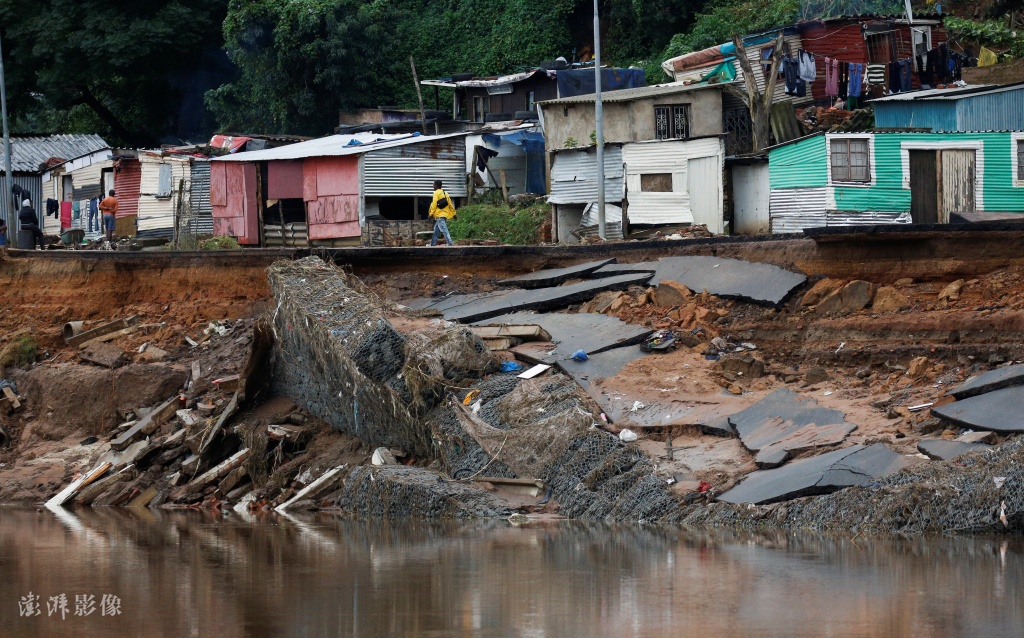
x,y
78,184
31,156
895,177
156,187
574,187
326,190
969,108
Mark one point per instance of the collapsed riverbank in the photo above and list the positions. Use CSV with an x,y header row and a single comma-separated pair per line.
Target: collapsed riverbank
x,y
322,385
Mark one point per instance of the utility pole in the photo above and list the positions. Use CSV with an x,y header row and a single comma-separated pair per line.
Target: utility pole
x,y
8,175
599,117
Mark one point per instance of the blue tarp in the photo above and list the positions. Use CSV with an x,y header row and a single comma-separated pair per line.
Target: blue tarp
x,y
533,144
573,82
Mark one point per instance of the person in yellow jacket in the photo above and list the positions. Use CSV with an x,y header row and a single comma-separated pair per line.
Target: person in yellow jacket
x,y
442,208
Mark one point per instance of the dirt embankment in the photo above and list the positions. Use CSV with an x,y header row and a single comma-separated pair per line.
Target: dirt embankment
x,y
858,361
41,294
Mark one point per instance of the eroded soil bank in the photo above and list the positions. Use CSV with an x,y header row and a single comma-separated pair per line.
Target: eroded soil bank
x,y
871,363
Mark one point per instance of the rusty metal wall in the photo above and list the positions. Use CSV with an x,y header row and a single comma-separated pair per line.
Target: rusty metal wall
x,y
958,171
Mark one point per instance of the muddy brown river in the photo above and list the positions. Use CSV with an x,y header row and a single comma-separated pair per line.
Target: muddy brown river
x,y
117,573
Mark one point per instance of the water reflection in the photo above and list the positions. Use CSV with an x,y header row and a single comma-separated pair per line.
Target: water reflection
x,y
194,574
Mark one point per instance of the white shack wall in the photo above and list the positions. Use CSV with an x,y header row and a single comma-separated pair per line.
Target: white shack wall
x,y
157,213
670,156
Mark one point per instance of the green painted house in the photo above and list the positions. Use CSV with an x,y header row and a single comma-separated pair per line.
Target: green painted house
x,y
842,179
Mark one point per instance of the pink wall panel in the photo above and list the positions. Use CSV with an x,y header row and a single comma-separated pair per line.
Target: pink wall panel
x,y
334,231
309,178
218,184
334,210
228,226
337,176
285,179
251,198
235,197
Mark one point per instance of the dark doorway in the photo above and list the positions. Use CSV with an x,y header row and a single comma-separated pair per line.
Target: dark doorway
x,y
924,188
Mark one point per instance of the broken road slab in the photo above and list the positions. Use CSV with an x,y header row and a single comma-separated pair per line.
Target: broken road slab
x,y
730,278
822,474
999,411
475,308
600,366
943,450
616,269
554,276
591,333
784,421
990,381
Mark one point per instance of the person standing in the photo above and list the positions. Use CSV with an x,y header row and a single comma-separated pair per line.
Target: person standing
x,y
30,221
109,209
3,232
442,208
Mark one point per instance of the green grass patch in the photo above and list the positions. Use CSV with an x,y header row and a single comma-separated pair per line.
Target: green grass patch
x,y
509,225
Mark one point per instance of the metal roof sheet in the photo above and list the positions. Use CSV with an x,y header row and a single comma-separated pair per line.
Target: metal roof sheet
x,y
960,93
28,153
625,95
334,146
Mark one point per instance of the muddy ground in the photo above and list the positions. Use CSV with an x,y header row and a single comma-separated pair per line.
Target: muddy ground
x,y
872,364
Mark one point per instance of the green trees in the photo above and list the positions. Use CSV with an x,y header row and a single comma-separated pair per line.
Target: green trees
x,y
126,69
300,61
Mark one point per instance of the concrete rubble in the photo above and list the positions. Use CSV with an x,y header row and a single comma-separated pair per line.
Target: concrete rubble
x,y
821,474
339,397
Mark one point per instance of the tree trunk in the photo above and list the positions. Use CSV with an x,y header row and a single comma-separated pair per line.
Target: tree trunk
x,y
116,127
759,104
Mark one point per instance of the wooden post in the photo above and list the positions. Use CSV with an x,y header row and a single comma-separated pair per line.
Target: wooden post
x,y
419,95
504,186
471,177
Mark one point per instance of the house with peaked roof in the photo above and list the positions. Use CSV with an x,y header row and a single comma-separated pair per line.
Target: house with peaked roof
x,y
326,191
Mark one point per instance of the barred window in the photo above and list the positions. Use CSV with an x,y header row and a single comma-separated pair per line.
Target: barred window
x,y
1020,160
672,122
851,161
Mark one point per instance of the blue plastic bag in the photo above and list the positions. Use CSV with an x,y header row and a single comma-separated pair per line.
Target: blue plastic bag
x,y
510,366
580,356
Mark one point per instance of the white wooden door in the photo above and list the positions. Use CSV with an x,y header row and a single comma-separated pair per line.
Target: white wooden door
x,y
705,188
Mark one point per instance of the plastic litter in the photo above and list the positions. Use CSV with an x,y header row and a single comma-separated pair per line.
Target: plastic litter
x,y
637,405
580,356
999,481
469,397
627,436
510,366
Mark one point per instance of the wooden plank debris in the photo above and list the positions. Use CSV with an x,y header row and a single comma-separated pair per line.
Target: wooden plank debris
x,y
80,481
286,432
309,489
496,344
534,371
228,412
227,384
215,473
143,499
525,332
148,424
105,329
13,398
529,487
